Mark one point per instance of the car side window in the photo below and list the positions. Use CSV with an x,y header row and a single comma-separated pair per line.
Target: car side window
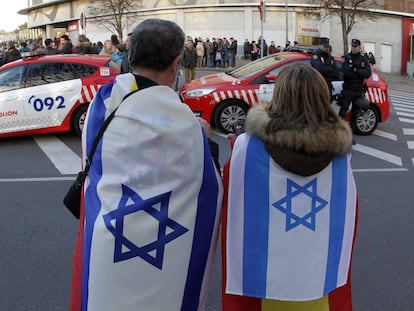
x,y
44,73
84,70
11,79
278,69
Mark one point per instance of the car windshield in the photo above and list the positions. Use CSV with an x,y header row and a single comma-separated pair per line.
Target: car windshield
x,y
255,66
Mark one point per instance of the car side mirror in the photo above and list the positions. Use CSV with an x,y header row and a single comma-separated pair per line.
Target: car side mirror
x,y
270,78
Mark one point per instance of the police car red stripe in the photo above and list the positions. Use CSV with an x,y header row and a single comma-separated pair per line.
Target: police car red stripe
x,y
88,93
249,96
376,95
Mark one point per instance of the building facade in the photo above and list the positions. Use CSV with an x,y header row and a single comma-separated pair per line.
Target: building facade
x,y
389,36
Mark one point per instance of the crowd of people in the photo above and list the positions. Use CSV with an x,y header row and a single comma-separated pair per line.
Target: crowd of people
x,y
12,51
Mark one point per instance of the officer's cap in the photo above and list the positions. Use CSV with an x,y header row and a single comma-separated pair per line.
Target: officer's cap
x,y
355,42
324,41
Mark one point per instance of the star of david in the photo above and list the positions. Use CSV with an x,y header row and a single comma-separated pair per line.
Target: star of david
x,y
285,205
124,248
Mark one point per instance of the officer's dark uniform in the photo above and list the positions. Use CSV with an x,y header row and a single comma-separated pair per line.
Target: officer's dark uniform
x,y
325,63
356,69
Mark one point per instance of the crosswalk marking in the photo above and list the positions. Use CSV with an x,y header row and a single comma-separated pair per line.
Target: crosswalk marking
x,y
410,144
63,158
408,131
388,157
385,135
405,114
406,120
400,108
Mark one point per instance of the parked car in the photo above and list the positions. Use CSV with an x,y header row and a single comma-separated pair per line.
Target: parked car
x,y
50,93
223,99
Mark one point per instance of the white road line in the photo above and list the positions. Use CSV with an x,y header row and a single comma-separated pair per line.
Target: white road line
x,y
400,108
412,160
410,144
406,120
63,158
402,101
408,131
405,114
385,135
378,154
7,180
399,92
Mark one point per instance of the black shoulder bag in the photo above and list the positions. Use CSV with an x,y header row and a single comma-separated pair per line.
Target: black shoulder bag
x,y
72,198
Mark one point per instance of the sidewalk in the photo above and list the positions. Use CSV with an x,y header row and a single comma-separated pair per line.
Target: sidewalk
x,y
395,81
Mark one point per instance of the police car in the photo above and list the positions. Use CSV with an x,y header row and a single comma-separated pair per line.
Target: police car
x,y
50,93
223,99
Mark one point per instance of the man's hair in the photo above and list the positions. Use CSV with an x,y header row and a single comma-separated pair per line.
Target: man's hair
x,y
155,43
48,41
301,99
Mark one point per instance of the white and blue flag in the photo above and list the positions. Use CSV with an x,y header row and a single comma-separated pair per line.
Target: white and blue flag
x,y
152,204
289,237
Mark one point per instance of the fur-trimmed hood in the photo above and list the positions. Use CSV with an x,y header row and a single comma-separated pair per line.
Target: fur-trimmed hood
x,y
304,151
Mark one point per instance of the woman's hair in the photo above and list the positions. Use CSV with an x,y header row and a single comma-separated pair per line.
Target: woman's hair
x,y
301,99
155,43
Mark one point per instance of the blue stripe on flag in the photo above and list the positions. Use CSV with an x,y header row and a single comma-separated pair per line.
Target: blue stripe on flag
x,y
256,217
98,111
337,221
203,230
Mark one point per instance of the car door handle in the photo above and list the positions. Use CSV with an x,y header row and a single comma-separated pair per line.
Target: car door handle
x,y
11,99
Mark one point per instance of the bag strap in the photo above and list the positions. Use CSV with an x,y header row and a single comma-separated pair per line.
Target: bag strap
x,y
98,138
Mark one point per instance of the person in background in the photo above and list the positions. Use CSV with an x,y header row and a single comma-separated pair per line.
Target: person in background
x,y
247,48
254,51
152,199
356,70
115,40
272,48
371,58
119,54
11,53
189,62
324,62
99,46
66,46
125,60
108,48
290,203
200,53
49,48
24,48
232,52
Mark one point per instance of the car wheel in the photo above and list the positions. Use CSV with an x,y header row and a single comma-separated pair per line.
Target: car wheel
x,y
365,121
228,113
78,119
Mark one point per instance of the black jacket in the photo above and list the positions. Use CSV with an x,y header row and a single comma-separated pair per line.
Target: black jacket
x,y
325,64
356,69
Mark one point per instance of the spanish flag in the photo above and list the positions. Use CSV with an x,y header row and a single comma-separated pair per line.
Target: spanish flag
x,y
287,239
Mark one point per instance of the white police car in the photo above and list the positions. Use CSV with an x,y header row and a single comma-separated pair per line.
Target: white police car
x,y
50,94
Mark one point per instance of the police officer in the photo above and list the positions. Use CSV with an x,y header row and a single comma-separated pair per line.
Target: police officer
x,y
356,69
325,63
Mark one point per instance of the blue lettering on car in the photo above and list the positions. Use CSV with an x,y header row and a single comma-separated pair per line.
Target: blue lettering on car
x,y
47,103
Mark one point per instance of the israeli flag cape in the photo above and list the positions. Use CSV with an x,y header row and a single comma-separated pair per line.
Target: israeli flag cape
x,y
289,237
152,203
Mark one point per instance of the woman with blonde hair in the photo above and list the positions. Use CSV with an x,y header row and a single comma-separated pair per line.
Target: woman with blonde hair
x,y
290,206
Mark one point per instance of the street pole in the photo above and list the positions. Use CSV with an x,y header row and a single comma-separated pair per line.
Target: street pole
x,y
287,24
262,21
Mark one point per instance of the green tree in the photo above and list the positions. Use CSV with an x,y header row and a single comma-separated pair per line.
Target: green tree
x,y
348,12
111,14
